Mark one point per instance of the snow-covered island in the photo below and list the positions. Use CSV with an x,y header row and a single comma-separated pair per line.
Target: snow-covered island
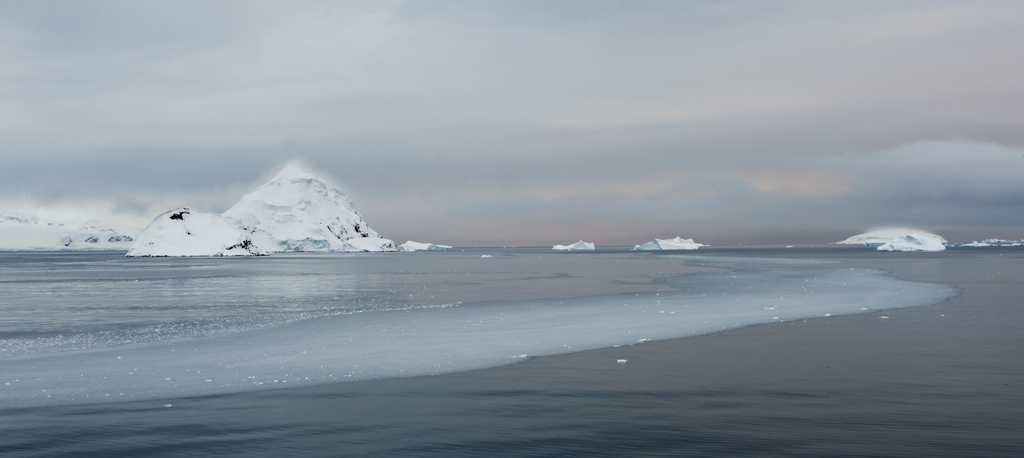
x,y
883,236
677,243
578,246
915,242
295,211
187,232
28,232
417,246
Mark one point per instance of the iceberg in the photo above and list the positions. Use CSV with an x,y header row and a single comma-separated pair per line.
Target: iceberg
x,y
417,246
882,236
677,243
994,242
187,232
915,242
296,211
27,232
578,246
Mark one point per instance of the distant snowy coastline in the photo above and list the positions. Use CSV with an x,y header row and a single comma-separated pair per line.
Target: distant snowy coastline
x,y
28,232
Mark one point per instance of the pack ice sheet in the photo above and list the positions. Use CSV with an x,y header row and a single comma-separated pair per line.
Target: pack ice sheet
x,y
123,329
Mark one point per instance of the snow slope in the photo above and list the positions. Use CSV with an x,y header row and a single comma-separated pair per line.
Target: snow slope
x,y
26,232
296,211
883,236
677,243
578,246
187,232
915,242
417,246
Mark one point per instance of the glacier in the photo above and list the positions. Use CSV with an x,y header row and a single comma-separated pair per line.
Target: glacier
x,y
915,242
187,232
578,246
297,211
882,236
993,242
28,232
417,246
677,243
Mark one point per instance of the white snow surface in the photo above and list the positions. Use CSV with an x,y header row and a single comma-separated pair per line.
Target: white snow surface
x,y
187,232
296,211
915,242
883,236
677,243
27,232
418,246
578,246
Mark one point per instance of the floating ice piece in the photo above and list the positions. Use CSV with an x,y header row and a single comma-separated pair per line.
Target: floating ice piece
x,y
417,246
622,361
187,232
915,242
882,236
578,246
677,243
486,256
296,211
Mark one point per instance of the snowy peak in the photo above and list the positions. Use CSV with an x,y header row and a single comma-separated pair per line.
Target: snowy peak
x,y
297,211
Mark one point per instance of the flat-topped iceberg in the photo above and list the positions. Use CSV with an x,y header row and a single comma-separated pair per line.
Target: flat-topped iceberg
x,y
578,246
882,236
296,211
915,242
677,243
27,232
417,246
187,232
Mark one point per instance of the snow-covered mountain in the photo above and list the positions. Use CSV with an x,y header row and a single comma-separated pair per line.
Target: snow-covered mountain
x,y
27,232
915,242
187,232
296,211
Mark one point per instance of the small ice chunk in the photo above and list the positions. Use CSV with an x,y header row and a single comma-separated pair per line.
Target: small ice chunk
x,y
485,256
621,361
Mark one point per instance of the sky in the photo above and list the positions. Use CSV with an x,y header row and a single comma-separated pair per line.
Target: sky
x,y
527,123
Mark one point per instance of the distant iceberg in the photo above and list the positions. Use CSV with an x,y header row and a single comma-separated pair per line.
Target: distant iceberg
x,y
578,246
677,243
883,236
994,242
915,242
297,211
187,232
417,246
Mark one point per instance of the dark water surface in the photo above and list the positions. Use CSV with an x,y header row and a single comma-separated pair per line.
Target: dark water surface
x,y
942,380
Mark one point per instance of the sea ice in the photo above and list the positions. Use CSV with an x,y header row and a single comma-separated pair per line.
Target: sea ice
x,y
914,242
677,243
417,246
187,232
578,246
423,340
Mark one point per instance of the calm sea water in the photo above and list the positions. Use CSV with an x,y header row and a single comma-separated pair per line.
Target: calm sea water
x,y
935,380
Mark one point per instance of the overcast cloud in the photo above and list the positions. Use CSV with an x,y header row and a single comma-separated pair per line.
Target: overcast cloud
x,y
482,123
